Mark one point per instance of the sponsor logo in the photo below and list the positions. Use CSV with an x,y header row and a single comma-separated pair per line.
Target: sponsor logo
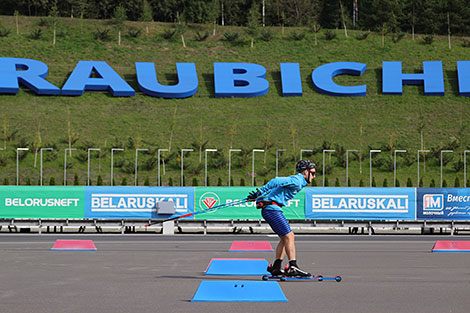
x,y
208,200
360,203
136,202
41,202
433,202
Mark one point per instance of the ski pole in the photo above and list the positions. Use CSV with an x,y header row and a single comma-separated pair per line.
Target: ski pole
x,y
201,211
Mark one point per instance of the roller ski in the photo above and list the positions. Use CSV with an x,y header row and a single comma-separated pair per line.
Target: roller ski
x,y
294,278
293,272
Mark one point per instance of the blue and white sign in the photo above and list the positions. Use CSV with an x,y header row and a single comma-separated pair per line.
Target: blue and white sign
x,y
360,203
136,202
443,204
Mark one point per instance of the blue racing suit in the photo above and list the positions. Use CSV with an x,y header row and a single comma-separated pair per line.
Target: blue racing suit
x,y
280,190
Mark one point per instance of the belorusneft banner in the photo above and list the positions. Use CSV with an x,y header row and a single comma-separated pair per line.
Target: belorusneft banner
x,y
137,202
360,203
41,202
443,204
209,197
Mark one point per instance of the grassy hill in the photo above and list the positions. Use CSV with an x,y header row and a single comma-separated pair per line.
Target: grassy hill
x,y
310,122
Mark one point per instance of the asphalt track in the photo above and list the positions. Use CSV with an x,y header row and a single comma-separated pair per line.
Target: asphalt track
x,y
155,273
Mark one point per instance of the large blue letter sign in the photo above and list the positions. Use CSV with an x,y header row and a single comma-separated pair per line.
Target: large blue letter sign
x,y
240,80
31,74
81,80
323,76
291,80
463,73
432,77
148,82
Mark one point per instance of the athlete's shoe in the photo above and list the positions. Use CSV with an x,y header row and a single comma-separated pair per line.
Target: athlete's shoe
x,y
275,271
295,271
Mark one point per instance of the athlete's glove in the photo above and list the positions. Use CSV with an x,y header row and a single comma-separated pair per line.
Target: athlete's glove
x,y
253,195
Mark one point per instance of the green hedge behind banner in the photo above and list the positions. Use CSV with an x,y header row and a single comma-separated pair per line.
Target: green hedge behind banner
x,y
207,197
42,202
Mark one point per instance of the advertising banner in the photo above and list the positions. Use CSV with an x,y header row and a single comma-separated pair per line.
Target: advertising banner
x,y
136,202
41,202
443,204
208,197
360,203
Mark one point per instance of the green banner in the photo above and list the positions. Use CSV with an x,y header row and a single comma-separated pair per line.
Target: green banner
x,y
42,202
208,197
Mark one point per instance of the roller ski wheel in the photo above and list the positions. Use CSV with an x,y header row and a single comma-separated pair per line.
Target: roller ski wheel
x,y
321,278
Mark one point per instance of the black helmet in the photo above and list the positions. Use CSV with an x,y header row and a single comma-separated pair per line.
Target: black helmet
x,y
303,165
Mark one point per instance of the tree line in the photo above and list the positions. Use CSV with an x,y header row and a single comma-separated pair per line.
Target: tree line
x,y
386,16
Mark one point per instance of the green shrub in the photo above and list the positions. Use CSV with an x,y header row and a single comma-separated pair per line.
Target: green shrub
x,y
134,32
4,31
76,181
330,35
147,181
44,22
409,183
52,181
168,33
231,36
195,182
428,40
267,34
99,182
102,34
3,160
242,181
363,35
297,36
457,182
124,181
35,34
200,36
397,37
385,183
465,43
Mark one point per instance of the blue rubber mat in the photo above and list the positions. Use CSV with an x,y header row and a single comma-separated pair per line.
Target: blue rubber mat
x,y
239,291
237,267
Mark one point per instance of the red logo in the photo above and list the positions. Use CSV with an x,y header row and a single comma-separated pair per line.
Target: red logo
x,y
209,202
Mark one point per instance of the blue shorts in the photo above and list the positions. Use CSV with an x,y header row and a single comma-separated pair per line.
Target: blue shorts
x,y
277,221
